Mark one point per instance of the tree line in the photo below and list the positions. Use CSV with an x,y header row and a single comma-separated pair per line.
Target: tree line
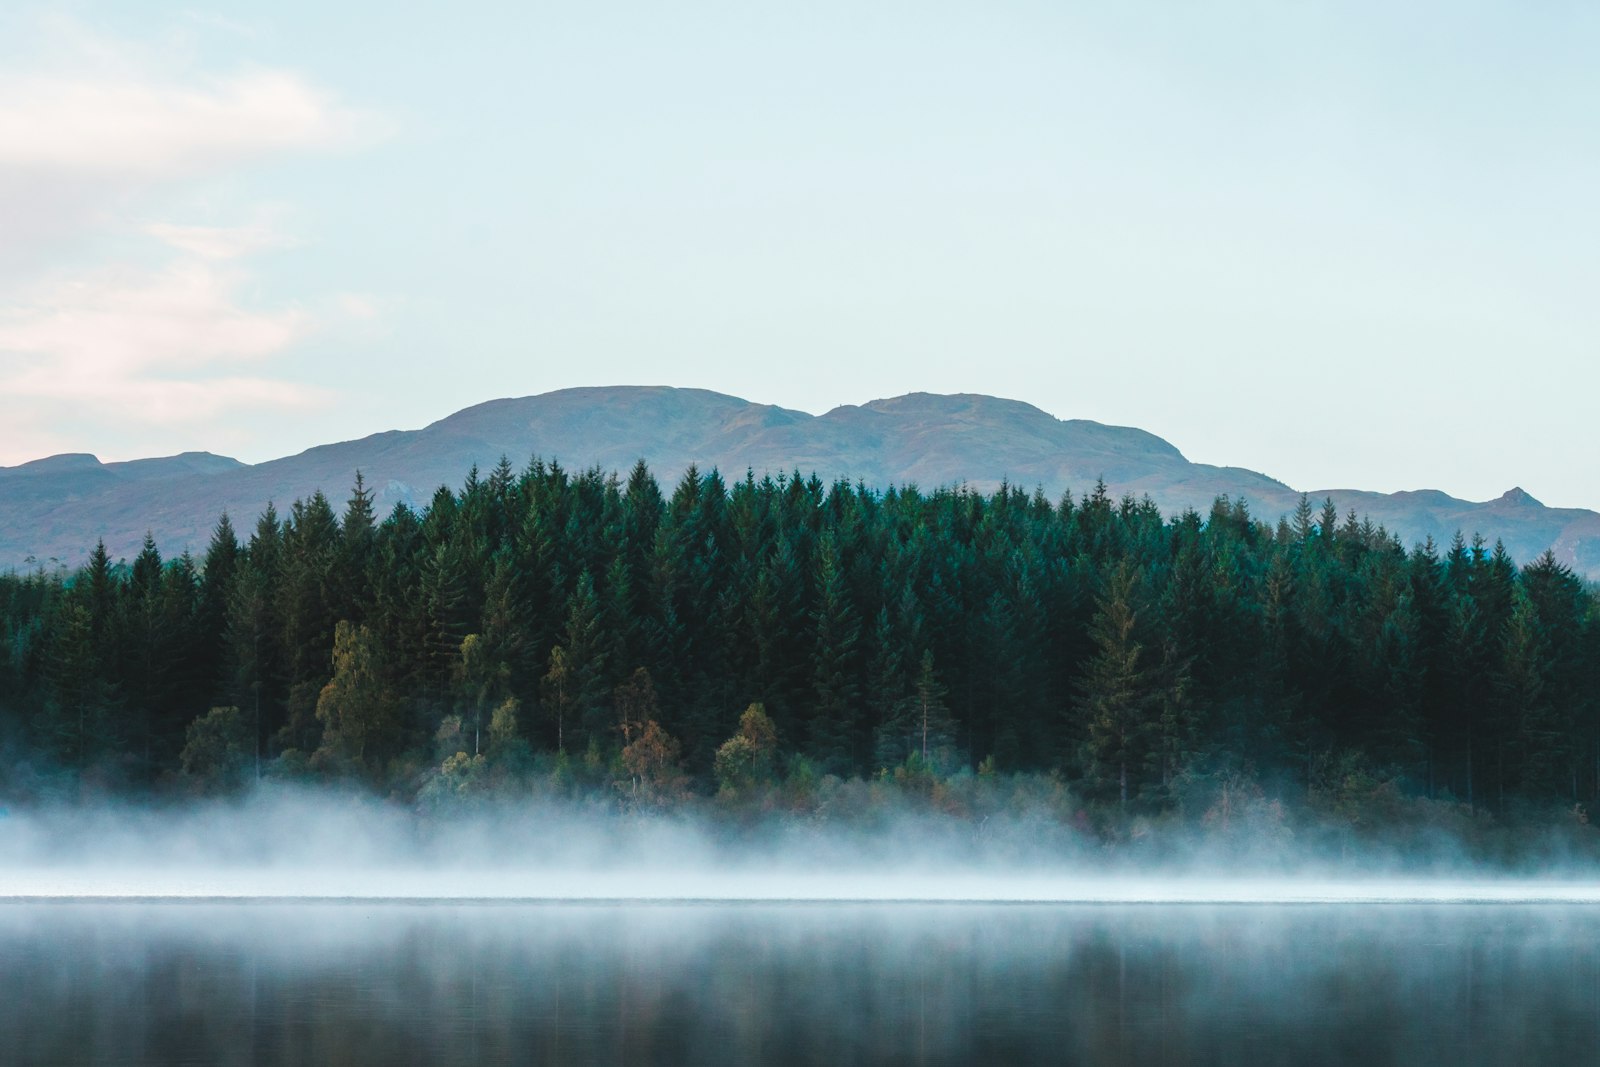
x,y
695,634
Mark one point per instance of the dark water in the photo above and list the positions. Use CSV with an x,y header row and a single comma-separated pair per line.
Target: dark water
x,y
822,984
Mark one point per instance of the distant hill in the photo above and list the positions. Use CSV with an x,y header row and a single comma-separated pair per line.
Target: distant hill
x,y
55,508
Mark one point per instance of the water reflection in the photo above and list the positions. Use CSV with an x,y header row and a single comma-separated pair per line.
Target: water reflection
x,y
823,984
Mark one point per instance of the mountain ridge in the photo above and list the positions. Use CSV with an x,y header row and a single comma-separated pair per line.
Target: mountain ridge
x,y
55,508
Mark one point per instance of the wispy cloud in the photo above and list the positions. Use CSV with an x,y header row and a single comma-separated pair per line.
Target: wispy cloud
x,y
117,323
93,125
149,128
162,333
218,242
172,347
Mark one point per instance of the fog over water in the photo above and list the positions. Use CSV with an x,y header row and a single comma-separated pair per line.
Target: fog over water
x,y
302,926
315,845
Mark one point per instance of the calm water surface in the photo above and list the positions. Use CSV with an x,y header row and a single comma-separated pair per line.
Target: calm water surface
x,y
803,984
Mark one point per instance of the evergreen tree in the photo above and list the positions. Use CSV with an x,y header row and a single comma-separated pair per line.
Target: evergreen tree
x,y
357,537
835,713
1119,689
307,590
144,649
575,689
255,671
79,724
1093,639
217,576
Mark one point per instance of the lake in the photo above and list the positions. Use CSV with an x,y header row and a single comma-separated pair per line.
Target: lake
x,y
824,983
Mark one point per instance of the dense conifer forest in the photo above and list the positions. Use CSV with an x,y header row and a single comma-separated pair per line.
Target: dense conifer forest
x,y
717,641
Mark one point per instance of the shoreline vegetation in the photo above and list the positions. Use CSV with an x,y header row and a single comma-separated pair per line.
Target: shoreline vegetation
x,y
783,653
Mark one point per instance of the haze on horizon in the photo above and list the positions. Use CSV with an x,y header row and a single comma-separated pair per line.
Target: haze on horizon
x,y
1345,245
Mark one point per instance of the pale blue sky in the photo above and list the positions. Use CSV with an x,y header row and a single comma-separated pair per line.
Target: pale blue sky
x,y
1344,244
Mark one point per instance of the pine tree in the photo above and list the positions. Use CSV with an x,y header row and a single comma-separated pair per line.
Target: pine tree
x,y
145,662
1532,740
931,718
1118,690
254,633
889,695
506,628
191,668
307,592
357,537
79,723
575,688
1560,613
835,714
1093,638
217,576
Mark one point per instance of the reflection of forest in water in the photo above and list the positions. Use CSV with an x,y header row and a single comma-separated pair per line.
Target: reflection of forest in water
x,y
363,983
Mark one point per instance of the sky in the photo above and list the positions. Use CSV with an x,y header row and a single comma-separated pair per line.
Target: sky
x,y
1345,244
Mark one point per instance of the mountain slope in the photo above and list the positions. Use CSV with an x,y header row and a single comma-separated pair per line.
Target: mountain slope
x,y
55,508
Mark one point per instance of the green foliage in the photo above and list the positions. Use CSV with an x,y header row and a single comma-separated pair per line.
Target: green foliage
x,y
1132,692
218,752
357,707
748,760
543,623
574,689
919,724
505,729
